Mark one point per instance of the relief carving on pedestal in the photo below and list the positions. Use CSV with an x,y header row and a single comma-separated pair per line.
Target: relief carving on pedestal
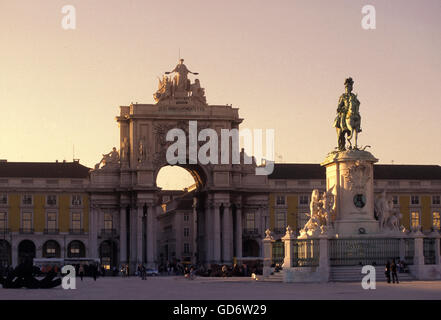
x,y
358,176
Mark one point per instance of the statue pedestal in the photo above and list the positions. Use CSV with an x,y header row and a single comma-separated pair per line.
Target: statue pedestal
x,y
349,174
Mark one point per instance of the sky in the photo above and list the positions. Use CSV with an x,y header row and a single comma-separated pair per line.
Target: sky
x,y
282,63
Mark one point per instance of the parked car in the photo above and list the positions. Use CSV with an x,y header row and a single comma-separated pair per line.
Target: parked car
x,y
152,272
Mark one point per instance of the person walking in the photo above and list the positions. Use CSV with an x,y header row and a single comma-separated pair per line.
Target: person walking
x,y
143,273
387,271
394,271
94,271
81,271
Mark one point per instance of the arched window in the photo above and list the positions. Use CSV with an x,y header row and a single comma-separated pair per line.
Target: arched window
x,y
51,249
76,249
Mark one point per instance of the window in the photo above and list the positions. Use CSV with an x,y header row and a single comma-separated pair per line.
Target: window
x,y
26,220
280,221
186,232
395,200
250,222
26,199
280,200
436,222
186,248
108,221
186,217
302,219
436,200
51,221
414,200
3,221
51,200
3,198
415,219
76,200
76,221
304,199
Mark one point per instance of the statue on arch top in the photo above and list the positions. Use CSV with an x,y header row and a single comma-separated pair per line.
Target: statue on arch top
x,y
348,120
180,80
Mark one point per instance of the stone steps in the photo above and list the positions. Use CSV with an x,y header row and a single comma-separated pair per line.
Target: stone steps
x,y
353,274
275,277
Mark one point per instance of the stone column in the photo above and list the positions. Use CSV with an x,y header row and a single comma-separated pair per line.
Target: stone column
x,y
418,258
14,253
133,238
324,268
93,232
238,234
287,240
267,244
208,233
216,234
139,235
122,236
194,232
227,229
150,237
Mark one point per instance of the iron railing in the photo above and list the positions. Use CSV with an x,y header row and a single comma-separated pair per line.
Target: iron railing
x,y
250,231
26,230
51,231
306,253
108,233
278,253
409,251
351,252
76,231
429,250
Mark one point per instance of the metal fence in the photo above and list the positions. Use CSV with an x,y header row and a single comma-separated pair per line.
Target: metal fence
x,y
429,250
305,253
351,252
409,250
278,252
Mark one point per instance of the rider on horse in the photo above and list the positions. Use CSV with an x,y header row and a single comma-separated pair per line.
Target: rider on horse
x,y
348,118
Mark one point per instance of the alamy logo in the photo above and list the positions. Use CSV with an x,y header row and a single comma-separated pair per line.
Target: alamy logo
x,y
209,152
369,280
69,280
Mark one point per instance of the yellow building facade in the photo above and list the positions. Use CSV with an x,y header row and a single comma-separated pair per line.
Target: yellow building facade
x,y
44,211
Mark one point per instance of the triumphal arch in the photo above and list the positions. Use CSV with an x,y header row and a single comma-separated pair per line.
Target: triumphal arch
x,y
124,194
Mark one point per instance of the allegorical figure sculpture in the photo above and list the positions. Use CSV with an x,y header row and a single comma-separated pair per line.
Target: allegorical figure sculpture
x,y
348,120
321,213
180,86
388,217
110,158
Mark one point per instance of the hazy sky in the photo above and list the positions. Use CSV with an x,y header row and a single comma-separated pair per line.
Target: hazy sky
x,y
283,63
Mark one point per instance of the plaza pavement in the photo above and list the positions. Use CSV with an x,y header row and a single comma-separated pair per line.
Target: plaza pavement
x,y
179,288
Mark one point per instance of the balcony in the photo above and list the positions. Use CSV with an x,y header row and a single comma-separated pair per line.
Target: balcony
x,y
251,231
76,231
186,254
279,230
51,231
26,230
108,233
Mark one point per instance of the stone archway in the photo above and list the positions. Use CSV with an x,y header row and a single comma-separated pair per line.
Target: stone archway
x,y
26,250
143,152
251,248
109,254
